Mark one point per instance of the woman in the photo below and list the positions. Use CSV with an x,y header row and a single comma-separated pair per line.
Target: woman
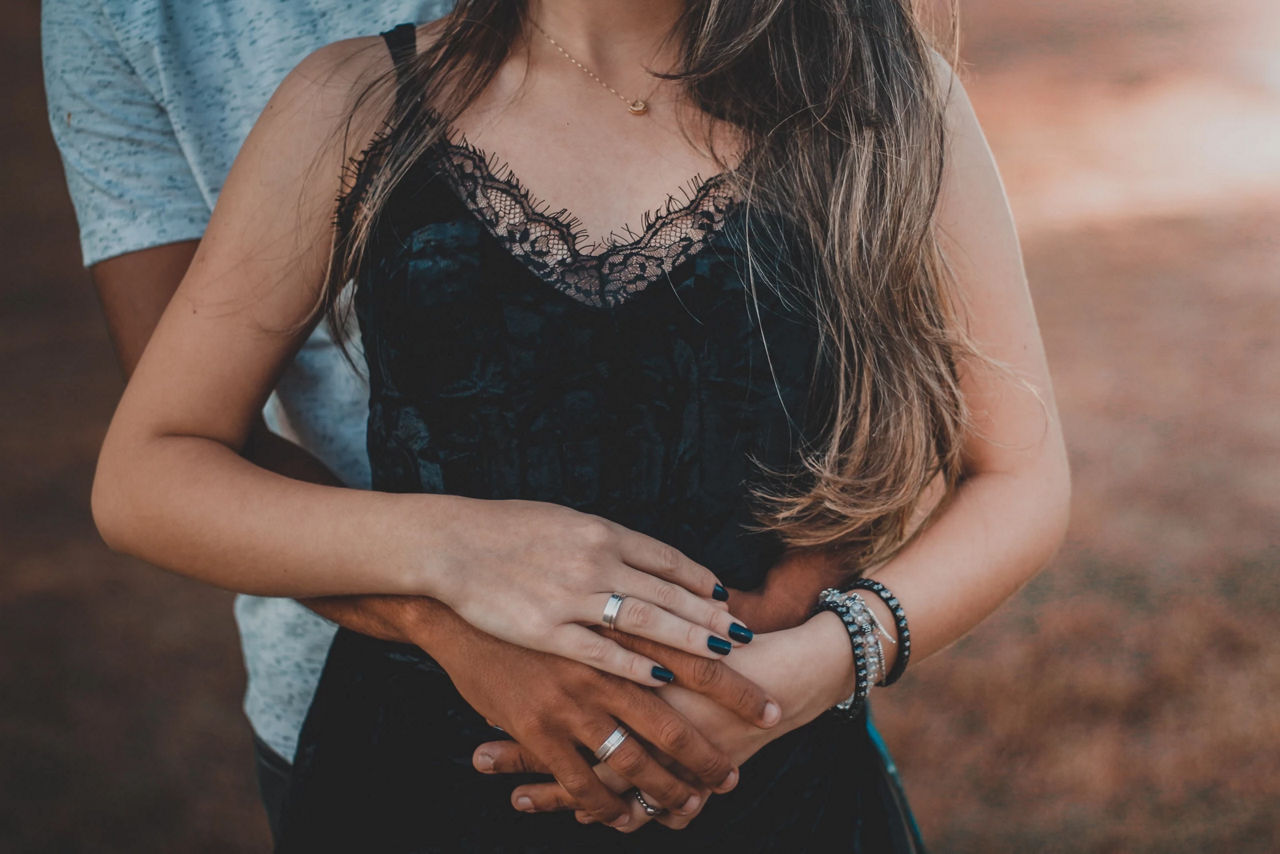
x,y
825,348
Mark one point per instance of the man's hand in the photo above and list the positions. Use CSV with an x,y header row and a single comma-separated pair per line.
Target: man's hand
x,y
771,661
554,707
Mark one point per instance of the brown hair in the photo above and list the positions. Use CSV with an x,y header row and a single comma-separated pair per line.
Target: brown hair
x,y
840,107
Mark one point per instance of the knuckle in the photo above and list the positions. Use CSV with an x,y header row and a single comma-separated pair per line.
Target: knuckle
x,y
713,768
594,534
668,558
674,736
629,759
596,650
576,783
526,762
707,674
666,595
695,636
532,726
641,615
671,792
639,668
716,619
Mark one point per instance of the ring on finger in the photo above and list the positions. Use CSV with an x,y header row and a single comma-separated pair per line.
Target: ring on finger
x,y
649,809
611,609
612,743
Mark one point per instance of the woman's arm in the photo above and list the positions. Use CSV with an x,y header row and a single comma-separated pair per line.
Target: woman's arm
x,y
1010,512
173,488
1006,520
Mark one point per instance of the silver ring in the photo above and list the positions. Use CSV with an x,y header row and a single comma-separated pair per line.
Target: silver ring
x,y
648,808
612,607
612,743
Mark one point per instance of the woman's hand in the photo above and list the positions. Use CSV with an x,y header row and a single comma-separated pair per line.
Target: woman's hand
x,y
537,574
807,670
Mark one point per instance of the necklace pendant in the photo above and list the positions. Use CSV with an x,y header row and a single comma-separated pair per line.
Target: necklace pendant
x,y
638,108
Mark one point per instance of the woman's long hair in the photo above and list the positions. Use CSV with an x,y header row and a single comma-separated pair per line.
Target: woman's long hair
x,y
840,108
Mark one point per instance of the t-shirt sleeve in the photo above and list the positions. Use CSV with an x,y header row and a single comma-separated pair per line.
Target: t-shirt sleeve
x,y
128,177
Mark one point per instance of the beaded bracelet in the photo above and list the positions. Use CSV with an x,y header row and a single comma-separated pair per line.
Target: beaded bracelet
x,y
900,623
868,655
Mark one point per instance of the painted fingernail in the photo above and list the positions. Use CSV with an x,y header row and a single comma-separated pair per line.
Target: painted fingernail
x,y
621,821
484,762
524,804
720,594
719,645
741,633
663,673
689,805
772,713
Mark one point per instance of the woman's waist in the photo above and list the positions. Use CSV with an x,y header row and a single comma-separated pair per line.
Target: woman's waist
x,y
695,497
385,679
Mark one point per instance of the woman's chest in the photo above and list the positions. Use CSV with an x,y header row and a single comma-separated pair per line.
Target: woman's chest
x,y
454,315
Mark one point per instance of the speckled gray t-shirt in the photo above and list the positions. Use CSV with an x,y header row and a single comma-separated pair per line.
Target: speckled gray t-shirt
x,y
149,101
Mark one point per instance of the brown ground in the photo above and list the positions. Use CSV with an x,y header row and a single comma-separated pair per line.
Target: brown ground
x,y
1127,700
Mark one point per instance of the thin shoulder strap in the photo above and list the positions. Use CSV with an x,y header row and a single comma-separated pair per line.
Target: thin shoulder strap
x,y
402,42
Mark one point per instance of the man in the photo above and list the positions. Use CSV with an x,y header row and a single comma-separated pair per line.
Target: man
x,y
149,101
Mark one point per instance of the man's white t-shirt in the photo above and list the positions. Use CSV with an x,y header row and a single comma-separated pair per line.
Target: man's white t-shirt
x,y
149,101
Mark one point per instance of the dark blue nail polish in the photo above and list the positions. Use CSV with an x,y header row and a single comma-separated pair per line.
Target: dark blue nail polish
x,y
719,645
663,673
720,594
741,633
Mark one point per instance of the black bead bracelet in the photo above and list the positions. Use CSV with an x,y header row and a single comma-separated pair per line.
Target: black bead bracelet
x,y
850,708
899,621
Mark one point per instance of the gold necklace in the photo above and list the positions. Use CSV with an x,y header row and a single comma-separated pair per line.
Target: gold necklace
x,y
638,107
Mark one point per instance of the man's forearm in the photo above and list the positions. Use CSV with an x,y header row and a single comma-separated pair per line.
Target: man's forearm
x,y
400,619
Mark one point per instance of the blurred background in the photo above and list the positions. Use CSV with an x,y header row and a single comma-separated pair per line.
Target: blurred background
x,y
1127,700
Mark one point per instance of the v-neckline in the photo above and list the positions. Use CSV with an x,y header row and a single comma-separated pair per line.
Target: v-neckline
x,y
549,243
455,142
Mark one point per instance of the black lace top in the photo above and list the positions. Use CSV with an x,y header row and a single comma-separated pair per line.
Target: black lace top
x,y
635,379
643,378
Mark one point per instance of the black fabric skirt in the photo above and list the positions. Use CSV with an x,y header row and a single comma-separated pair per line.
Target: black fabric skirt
x,y
384,765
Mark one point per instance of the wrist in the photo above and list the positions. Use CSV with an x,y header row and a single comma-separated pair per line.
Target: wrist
x,y
836,663
823,660
440,527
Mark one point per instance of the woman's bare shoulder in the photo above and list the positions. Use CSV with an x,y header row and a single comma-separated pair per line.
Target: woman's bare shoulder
x,y
346,84
333,87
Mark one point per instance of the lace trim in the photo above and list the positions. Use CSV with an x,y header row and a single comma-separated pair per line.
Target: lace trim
x,y
357,176
549,243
